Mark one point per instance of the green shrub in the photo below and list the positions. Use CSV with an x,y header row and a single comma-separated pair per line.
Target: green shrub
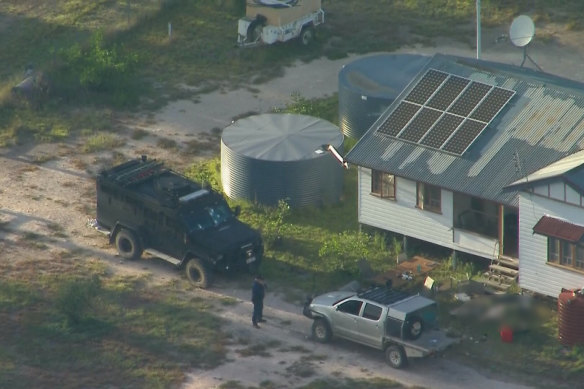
x,y
206,172
274,221
343,251
76,297
98,70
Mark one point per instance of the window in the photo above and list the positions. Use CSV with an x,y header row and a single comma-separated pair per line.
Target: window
x,y
553,250
565,253
372,312
382,184
429,197
579,258
352,307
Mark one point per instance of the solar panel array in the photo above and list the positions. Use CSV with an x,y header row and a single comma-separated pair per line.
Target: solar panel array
x,y
445,112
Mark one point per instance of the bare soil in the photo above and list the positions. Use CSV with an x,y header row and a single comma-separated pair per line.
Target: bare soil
x,y
47,198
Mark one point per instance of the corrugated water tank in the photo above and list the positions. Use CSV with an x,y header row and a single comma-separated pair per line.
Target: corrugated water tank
x,y
368,86
571,317
271,157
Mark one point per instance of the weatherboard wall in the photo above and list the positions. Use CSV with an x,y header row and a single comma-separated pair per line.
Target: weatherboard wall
x,y
534,272
402,215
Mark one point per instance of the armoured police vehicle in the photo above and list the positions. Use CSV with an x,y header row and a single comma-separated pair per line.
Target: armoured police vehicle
x,y
144,206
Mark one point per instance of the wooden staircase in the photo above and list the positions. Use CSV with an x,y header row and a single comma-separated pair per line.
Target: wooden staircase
x,y
502,273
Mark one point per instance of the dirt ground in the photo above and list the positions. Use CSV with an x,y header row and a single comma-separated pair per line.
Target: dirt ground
x,y
48,190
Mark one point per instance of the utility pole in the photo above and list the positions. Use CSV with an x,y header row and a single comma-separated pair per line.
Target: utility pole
x,y
478,29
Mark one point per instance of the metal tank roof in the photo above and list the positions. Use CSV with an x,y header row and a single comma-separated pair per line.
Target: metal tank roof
x,y
271,157
367,86
281,137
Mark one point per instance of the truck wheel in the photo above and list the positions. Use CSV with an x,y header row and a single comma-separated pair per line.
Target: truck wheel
x,y
321,331
413,328
306,36
198,273
395,356
128,245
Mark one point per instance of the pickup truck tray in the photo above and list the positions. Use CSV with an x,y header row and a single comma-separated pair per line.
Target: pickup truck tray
x,y
430,342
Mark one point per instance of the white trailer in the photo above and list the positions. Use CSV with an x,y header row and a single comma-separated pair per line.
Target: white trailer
x,y
271,21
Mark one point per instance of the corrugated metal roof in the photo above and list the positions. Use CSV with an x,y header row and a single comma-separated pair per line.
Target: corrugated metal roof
x,y
558,228
542,124
281,137
556,169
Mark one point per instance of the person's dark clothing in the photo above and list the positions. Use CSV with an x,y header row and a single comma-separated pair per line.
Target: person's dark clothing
x,y
257,298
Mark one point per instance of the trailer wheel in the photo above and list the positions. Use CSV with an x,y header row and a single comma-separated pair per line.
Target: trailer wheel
x,y
321,331
413,328
128,245
198,273
395,356
254,31
306,36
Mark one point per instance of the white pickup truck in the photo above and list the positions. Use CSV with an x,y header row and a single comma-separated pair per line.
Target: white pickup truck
x,y
401,325
271,21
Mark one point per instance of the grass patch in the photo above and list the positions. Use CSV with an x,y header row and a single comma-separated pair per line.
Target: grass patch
x,y
372,383
131,337
166,143
101,141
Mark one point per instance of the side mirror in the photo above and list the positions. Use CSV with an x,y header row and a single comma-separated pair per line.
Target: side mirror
x,y
237,210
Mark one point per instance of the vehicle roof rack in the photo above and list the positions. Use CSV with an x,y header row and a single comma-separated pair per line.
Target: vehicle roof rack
x,y
383,295
135,173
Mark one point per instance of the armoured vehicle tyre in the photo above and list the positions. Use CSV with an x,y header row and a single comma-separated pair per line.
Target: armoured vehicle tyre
x,y
306,35
413,328
128,245
198,273
321,331
395,356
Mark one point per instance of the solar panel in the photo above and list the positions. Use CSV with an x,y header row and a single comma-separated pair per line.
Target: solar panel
x,y
448,92
420,125
447,124
398,118
469,99
445,112
426,86
464,136
492,104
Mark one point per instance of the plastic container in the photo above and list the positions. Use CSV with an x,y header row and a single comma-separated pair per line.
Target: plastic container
x,y
571,317
506,333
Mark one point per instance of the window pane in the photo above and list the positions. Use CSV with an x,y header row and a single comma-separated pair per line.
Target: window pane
x,y
432,198
352,307
579,260
372,312
566,258
420,193
553,250
388,185
376,182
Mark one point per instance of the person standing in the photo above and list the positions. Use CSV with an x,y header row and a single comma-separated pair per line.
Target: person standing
x,y
258,291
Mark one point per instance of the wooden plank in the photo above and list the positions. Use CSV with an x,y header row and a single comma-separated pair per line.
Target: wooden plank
x,y
496,285
509,262
504,270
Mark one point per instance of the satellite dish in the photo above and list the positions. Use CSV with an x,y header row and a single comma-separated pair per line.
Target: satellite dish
x,y
522,31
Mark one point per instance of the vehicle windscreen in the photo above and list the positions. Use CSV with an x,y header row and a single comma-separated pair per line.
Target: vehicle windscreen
x,y
207,217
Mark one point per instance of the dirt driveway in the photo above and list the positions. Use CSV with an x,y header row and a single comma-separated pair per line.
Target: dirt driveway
x,y
53,197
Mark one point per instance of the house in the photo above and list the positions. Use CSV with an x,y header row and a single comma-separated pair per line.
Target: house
x,y
486,159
